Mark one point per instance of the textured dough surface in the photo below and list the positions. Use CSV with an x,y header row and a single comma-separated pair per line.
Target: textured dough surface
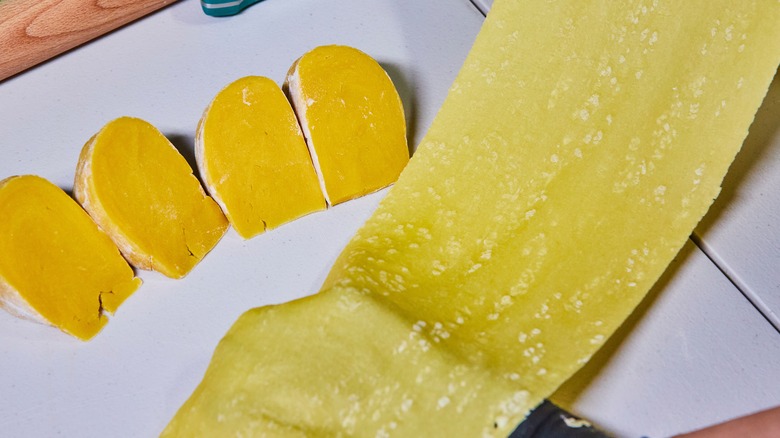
x,y
253,158
56,266
141,191
578,147
353,120
350,386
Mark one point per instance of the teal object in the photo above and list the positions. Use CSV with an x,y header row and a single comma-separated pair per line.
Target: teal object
x,y
223,8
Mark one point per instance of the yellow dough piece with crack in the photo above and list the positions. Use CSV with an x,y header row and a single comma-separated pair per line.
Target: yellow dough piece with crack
x,y
352,118
56,266
141,191
253,158
577,149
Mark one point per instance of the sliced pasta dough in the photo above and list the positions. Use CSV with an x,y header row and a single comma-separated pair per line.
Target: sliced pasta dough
x,y
352,118
141,191
56,266
253,158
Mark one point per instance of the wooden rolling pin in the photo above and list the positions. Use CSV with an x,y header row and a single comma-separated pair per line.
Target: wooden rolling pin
x,y
32,31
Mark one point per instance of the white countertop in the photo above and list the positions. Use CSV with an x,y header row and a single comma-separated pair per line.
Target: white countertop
x,y
741,233
697,352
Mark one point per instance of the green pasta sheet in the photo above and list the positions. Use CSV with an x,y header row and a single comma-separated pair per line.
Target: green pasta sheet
x,y
577,149
330,370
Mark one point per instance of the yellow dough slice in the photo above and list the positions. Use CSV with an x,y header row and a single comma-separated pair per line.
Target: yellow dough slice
x,y
352,118
253,158
142,192
577,149
56,266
